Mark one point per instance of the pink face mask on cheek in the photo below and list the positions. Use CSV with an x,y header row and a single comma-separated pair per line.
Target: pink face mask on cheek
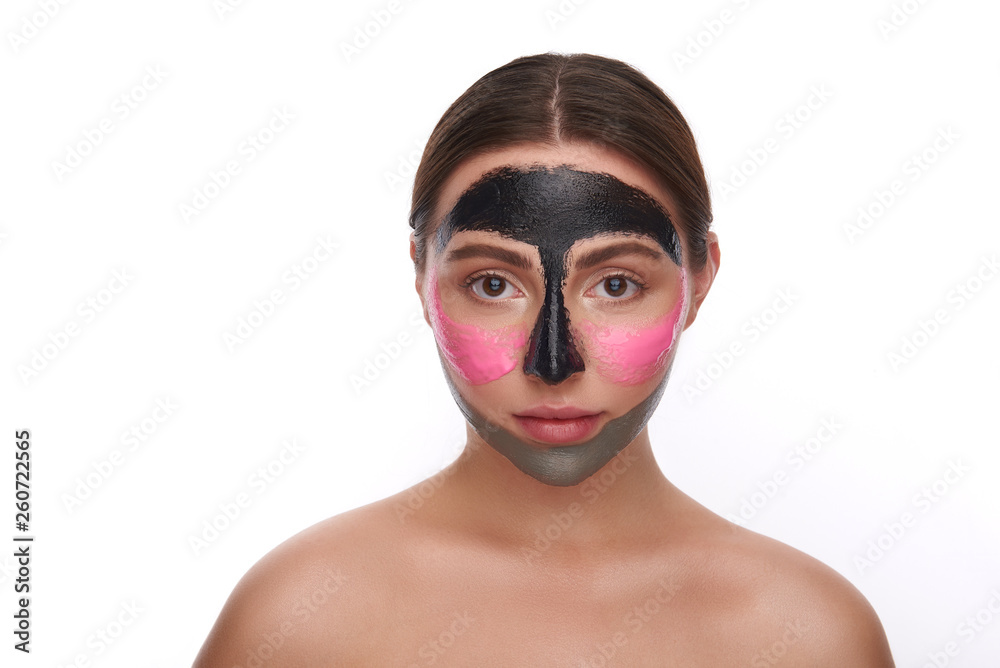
x,y
479,355
634,355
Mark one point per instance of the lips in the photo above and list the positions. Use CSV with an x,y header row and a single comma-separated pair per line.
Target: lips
x,y
563,424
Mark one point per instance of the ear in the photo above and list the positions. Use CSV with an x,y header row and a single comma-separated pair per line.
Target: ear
x,y
702,279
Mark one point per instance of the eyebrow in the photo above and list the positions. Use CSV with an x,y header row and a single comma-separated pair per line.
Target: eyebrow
x,y
492,252
596,257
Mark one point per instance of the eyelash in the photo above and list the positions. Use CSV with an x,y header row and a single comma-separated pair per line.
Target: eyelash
x,y
618,273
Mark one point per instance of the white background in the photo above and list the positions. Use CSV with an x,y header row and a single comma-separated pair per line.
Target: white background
x,y
341,170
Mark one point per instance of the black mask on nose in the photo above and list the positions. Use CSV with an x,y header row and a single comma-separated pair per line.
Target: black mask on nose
x,y
551,208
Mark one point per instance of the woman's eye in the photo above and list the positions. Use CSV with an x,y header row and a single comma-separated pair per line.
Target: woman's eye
x,y
492,287
616,287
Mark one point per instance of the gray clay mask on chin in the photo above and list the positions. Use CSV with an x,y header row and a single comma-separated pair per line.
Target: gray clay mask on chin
x,y
551,209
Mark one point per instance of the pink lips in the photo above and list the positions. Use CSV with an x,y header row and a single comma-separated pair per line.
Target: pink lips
x,y
558,425
558,413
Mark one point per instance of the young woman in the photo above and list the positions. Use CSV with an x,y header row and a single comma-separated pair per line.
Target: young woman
x,y
561,245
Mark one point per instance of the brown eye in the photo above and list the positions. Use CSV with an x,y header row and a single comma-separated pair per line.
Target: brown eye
x,y
615,286
492,287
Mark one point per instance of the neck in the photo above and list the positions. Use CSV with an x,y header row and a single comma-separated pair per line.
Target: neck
x,y
497,504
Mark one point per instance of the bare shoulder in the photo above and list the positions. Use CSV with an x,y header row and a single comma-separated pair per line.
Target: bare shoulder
x,y
805,613
301,603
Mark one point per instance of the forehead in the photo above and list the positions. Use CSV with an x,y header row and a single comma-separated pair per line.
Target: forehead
x,y
577,156
552,207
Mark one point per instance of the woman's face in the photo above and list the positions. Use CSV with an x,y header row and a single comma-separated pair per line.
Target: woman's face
x,y
556,290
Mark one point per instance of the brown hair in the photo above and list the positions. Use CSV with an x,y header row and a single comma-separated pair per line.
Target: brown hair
x,y
549,98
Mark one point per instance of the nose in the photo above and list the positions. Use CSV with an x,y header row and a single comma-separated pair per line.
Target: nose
x,y
552,355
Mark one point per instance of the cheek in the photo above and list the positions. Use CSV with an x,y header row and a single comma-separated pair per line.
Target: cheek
x,y
479,355
630,356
